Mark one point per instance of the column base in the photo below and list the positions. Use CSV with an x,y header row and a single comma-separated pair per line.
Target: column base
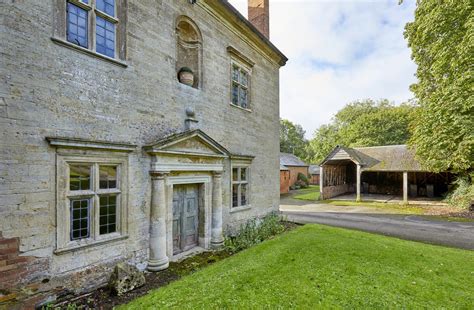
x,y
217,244
158,265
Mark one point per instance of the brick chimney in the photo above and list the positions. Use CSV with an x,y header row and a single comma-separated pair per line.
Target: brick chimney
x,y
259,15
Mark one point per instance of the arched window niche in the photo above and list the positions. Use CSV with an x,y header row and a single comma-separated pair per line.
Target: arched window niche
x,y
189,52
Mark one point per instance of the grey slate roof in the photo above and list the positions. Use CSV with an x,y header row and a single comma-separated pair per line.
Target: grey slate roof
x,y
283,168
382,158
314,169
291,160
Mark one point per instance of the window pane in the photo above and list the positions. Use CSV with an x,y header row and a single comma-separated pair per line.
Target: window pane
x,y
235,94
243,174
77,25
235,195
235,73
80,219
105,37
79,177
107,177
243,194
106,6
235,174
108,214
243,78
243,98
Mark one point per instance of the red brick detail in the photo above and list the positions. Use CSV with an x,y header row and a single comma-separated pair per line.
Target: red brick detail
x,y
14,269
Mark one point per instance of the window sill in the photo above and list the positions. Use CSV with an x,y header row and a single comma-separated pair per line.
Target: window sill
x,y
240,209
239,107
92,243
88,52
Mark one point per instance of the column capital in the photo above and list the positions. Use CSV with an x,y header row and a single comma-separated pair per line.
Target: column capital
x,y
159,175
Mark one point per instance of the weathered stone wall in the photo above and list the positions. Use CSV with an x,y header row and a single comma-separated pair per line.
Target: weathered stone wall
x,y
49,90
329,192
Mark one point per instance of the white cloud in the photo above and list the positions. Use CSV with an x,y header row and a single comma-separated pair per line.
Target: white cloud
x,y
339,51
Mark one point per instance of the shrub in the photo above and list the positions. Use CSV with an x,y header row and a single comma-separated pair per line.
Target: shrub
x,y
463,194
301,184
302,177
254,231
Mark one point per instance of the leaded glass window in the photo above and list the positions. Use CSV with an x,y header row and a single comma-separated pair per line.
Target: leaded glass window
x,y
108,214
240,86
77,20
80,219
106,6
94,198
240,186
103,36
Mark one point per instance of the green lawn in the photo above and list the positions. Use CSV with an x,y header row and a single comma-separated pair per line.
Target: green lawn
x,y
317,266
311,193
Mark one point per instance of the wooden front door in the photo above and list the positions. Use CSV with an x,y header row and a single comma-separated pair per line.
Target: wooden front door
x,y
185,217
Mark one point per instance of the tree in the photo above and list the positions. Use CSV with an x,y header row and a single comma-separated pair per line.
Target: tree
x,y
363,123
292,139
441,38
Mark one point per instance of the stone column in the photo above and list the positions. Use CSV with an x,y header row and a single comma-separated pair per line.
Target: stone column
x,y
321,183
358,184
217,239
158,260
405,187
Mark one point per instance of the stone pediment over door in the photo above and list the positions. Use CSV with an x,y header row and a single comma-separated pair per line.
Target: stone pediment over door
x,y
187,151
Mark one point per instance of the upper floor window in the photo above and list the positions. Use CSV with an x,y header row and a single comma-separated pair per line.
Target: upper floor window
x,y
94,27
240,86
92,24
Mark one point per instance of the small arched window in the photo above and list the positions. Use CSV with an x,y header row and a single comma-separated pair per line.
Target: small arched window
x,y
189,52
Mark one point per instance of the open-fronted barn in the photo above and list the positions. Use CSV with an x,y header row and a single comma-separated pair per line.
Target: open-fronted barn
x,y
385,170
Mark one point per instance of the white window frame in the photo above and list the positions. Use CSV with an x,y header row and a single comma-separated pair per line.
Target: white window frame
x,y
64,196
248,71
239,182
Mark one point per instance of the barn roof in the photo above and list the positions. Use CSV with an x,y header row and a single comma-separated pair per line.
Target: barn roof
x,y
314,169
378,158
283,168
287,159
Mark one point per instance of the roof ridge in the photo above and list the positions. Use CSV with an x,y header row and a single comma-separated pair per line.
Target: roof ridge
x,y
378,146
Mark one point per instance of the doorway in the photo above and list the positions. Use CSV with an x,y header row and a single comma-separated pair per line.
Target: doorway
x,y
185,217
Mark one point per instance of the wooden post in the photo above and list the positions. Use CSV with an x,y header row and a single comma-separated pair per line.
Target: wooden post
x,y
358,184
321,183
405,187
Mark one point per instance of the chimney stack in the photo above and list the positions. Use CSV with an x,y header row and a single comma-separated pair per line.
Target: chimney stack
x,y
259,15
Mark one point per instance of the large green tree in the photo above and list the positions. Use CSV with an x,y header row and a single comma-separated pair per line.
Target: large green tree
x,y
363,123
292,139
441,38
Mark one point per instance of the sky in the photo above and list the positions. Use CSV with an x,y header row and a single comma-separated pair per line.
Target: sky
x,y
339,51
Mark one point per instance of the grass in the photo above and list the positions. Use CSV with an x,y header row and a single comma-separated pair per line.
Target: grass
x,y
311,193
317,266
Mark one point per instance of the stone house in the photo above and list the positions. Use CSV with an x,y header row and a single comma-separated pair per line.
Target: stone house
x,y
294,166
106,157
390,170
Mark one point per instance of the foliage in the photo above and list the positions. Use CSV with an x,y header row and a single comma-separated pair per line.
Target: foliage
x,y
463,194
363,123
441,38
300,184
254,231
292,139
321,267
303,177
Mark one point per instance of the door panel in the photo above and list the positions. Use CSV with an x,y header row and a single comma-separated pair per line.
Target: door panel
x,y
185,217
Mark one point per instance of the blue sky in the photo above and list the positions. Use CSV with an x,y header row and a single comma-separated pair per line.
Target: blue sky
x,y
339,51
